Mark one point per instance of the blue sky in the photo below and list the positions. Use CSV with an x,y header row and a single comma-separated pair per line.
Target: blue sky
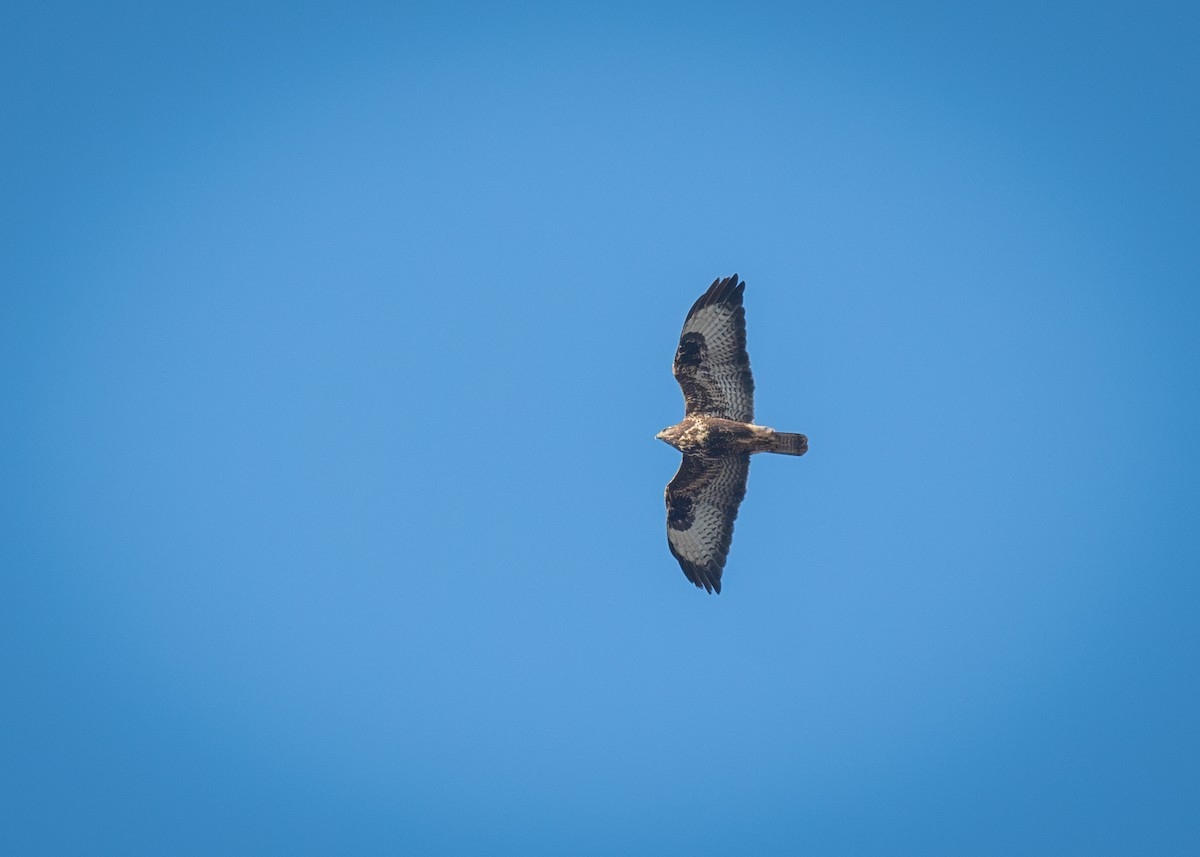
x,y
335,340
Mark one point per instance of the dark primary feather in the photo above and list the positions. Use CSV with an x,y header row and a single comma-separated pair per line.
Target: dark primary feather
x,y
702,503
711,363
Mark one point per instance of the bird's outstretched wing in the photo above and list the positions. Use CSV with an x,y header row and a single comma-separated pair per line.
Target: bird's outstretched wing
x,y
702,502
711,364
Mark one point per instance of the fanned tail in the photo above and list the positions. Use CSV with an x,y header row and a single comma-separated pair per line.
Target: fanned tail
x,y
786,443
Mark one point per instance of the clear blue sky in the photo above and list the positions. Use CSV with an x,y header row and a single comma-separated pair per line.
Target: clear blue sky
x,y
334,342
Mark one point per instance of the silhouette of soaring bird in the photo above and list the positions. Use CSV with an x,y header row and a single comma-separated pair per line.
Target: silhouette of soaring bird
x,y
717,435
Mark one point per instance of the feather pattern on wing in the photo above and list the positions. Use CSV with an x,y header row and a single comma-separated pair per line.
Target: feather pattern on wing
x,y
702,503
711,364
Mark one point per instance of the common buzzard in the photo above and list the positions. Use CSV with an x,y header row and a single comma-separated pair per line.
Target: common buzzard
x,y
717,435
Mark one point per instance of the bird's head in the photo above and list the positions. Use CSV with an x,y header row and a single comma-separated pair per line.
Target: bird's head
x,y
669,435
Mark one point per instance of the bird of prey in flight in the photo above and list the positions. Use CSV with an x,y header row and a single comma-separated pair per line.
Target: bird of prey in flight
x,y
717,435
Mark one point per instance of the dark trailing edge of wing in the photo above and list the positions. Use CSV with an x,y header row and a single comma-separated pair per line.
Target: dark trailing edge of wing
x,y
726,291
707,579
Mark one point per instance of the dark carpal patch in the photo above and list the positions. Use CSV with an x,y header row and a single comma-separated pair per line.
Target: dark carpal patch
x,y
680,512
691,350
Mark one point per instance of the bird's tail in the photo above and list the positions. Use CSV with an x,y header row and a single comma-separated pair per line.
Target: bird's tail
x,y
786,443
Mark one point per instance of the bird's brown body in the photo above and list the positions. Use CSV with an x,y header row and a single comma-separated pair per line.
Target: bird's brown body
x,y
716,437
